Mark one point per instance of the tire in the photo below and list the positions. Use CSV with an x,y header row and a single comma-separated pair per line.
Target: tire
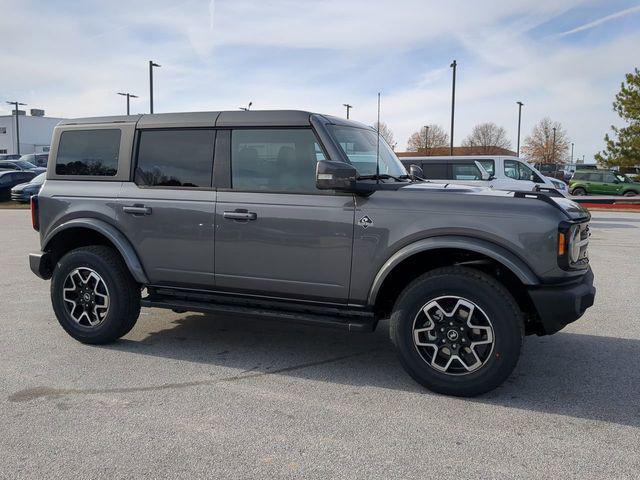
x,y
495,313
578,191
630,193
87,319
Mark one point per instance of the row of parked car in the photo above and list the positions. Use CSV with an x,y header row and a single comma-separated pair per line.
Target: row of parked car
x,y
512,173
493,171
20,177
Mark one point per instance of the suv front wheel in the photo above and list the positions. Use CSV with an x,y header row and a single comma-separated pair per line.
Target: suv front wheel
x,y
95,298
457,331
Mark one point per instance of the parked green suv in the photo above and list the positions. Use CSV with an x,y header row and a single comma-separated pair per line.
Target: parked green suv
x,y
602,182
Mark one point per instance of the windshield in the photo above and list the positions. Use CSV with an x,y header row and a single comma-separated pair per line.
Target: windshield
x,y
39,178
622,178
26,165
360,146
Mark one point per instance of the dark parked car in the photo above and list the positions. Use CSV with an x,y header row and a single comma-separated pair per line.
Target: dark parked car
x,y
554,170
24,191
37,159
9,156
20,165
11,178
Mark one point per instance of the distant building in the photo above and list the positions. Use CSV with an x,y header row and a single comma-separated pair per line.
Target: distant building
x,y
35,132
458,151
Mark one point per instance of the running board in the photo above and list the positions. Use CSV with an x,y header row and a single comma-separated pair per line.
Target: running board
x,y
357,321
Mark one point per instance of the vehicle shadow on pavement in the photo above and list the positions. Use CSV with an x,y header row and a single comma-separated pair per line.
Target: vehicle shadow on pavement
x,y
582,376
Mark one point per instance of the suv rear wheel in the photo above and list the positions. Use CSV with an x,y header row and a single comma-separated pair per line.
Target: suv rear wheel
x,y
95,298
579,191
457,331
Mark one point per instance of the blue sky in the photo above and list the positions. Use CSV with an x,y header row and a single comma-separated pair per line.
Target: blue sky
x,y
563,59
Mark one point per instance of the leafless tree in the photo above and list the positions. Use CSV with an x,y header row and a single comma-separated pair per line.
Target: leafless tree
x,y
539,147
386,133
429,136
487,136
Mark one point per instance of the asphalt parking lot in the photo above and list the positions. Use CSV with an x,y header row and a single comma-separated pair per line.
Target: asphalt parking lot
x,y
194,396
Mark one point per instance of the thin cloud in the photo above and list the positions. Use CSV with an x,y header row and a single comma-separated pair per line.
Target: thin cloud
x,y
600,21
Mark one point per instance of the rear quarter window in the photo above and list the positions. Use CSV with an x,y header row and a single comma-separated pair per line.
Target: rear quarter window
x,y
88,152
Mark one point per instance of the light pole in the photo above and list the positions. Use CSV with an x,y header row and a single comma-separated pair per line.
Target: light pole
x,y
151,65
571,152
426,139
454,65
348,107
128,95
16,105
553,148
520,104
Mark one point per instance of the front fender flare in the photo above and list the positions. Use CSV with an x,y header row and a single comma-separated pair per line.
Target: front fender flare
x,y
483,247
116,237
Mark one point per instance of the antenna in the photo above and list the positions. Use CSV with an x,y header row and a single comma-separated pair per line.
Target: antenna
x,y
378,144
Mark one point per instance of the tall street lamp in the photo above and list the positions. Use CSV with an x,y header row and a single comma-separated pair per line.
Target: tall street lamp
x,y
571,152
151,65
454,66
128,95
16,105
553,148
520,104
426,139
348,107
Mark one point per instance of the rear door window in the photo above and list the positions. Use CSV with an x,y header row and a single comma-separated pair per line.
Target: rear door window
x,y
88,152
175,158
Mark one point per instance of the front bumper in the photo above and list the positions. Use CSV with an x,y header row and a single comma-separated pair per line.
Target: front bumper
x,y
40,264
559,305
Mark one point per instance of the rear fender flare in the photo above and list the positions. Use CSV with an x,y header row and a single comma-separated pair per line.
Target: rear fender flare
x,y
112,234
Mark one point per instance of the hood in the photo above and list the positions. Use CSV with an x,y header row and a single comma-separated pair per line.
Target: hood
x,y
19,187
571,209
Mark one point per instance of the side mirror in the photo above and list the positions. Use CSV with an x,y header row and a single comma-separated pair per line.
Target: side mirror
x,y
416,172
332,175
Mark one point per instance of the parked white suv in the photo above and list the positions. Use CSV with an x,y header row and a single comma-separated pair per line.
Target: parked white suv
x,y
498,172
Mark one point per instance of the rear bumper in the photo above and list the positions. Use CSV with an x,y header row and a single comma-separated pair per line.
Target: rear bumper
x,y
40,264
559,305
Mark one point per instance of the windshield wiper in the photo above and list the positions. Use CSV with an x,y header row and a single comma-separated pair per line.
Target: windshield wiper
x,y
381,176
413,179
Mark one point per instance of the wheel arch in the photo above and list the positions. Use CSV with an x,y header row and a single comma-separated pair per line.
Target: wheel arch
x,y
90,231
427,254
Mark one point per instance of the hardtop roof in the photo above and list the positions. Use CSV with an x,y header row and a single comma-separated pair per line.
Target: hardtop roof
x,y
232,118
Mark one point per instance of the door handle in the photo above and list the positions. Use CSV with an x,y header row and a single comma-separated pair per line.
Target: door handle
x,y
242,215
137,210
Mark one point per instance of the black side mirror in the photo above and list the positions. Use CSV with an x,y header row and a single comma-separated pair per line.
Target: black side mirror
x,y
332,175
416,172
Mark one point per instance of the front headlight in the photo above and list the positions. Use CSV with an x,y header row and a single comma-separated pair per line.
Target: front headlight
x,y
574,244
573,240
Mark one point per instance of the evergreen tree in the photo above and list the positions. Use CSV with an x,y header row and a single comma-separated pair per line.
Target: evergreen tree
x,y
623,145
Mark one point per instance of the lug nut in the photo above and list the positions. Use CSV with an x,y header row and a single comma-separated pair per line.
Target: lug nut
x,y
454,346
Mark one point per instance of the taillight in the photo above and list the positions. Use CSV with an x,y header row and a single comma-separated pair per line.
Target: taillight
x,y
35,218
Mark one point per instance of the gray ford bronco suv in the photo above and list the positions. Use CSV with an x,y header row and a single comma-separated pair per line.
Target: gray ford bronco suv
x,y
308,218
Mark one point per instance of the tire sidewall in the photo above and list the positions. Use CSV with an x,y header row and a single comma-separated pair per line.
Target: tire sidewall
x,y
112,322
507,331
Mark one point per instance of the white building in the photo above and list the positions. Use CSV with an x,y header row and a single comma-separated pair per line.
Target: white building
x,y
35,132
